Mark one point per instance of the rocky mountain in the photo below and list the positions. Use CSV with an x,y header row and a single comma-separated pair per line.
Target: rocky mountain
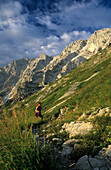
x,y
38,72
32,77
10,74
78,115
76,128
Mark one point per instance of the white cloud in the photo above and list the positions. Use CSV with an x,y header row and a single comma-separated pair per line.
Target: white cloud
x,y
11,9
27,34
55,45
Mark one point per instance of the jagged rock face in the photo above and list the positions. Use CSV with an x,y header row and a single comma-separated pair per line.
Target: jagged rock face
x,y
56,66
97,42
30,75
76,53
10,74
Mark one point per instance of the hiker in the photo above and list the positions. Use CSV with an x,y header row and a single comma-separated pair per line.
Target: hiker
x,y
38,110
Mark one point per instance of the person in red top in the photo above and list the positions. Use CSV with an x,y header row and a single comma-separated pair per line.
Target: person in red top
x,y
38,110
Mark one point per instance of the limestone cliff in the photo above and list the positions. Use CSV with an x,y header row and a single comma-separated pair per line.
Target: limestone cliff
x,y
27,76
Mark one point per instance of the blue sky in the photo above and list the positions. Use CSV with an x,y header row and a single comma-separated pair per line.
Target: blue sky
x,y
31,27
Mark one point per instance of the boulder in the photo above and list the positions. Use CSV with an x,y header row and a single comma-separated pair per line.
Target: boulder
x,y
66,151
94,162
105,153
77,128
101,161
82,164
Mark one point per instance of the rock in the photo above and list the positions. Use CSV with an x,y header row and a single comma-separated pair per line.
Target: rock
x,y
57,141
107,109
105,153
62,111
82,116
82,164
66,151
100,161
108,152
108,114
70,142
96,168
10,75
32,77
77,128
101,112
94,162
61,131
104,168
89,163
76,147
98,41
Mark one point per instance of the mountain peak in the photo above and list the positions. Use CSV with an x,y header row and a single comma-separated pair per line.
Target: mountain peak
x,y
28,76
43,57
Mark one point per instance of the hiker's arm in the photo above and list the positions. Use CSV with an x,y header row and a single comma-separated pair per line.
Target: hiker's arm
x,y
36,109
44,108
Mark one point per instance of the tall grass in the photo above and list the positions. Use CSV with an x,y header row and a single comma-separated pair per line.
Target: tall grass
x,y
19,149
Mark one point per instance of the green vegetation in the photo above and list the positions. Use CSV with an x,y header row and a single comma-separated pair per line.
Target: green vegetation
x,y
85,87
19,149
98,138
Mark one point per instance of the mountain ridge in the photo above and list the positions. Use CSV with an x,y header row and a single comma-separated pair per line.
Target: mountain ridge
x,y
77,119
44,70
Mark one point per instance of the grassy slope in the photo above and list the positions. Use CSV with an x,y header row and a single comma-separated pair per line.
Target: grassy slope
x,y
84,92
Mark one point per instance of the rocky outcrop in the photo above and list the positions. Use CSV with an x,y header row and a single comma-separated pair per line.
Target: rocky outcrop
x,y
77,152
32,77
102,161
97,42
94,112
77,128
10,74
27,76
56,68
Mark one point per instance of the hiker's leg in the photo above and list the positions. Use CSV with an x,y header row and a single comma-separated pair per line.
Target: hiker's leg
x,y
41,115
36,115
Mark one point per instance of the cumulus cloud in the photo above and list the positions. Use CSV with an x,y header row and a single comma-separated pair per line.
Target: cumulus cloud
x,y
55,44
26,30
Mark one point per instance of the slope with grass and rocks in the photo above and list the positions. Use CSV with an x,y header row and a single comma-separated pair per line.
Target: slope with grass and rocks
x,y
37,73
77,119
